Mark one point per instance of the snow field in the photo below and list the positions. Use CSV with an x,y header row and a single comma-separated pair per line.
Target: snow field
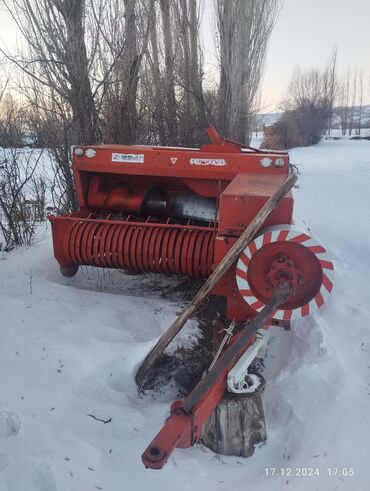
x,y
68,352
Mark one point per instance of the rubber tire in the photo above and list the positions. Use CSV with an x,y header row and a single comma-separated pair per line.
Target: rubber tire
x,y
69,272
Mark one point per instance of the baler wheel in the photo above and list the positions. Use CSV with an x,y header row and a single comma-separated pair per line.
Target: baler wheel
x,y
69,272
281,252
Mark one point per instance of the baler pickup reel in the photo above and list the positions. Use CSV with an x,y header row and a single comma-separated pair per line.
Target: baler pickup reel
x,y
222,212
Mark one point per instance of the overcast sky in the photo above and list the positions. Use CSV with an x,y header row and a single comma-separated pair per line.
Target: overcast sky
x,y
305,35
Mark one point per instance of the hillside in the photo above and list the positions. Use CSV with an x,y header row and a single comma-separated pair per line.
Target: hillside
x,y
267,119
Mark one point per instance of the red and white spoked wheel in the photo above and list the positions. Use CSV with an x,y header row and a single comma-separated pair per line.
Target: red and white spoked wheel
x,y
281,252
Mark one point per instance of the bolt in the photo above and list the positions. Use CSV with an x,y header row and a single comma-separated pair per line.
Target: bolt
x,y
269,285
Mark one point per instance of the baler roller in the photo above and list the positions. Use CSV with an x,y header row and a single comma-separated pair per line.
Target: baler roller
x,y
142,247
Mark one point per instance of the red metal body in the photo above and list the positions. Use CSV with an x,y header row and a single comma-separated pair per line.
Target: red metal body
x,y
178,211
135,201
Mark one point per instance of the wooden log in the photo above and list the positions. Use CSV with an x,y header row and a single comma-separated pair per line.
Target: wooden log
x,y
231,256
237,424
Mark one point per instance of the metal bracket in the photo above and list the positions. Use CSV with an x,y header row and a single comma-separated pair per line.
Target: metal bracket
x,y
236,378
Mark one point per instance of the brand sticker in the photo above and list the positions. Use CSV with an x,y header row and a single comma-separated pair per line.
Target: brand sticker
x,y
174,160
130,158
216,162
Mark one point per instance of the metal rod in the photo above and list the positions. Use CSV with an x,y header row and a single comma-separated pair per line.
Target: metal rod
x,y
233,353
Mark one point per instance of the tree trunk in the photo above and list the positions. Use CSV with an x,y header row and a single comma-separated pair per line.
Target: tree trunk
x,y
171,113
129,67
81,97
237,424
158,115
197,75
224,13
244,29
186,134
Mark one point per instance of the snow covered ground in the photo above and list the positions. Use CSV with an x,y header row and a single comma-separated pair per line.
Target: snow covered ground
x,y
69,347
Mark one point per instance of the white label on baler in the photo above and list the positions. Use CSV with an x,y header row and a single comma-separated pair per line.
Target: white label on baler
x,y
130,158
216,162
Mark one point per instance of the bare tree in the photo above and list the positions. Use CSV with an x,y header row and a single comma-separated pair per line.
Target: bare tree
x,y
126,34
203,114
19,206
345,96
244,28
50,122
169,80
157,96
173,66
56,68
194,114
12,121
308,108
315,87
330,81
57,56
360,100
185,70
352,108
